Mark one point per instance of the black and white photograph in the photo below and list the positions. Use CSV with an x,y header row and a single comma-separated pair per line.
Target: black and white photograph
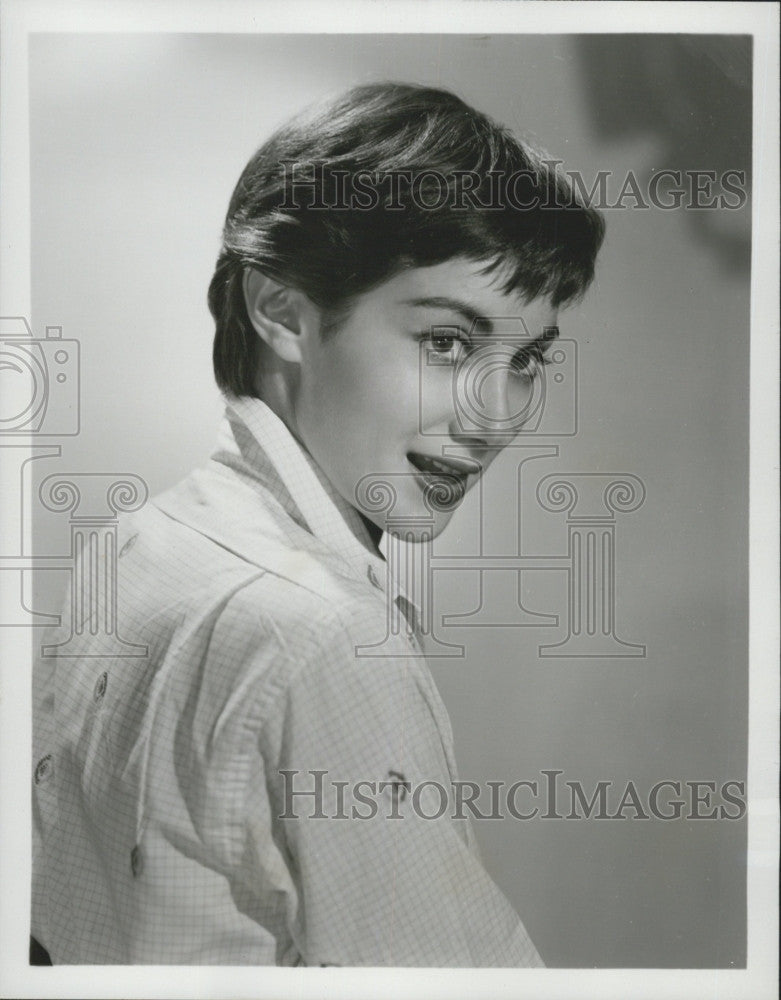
x,y
389,490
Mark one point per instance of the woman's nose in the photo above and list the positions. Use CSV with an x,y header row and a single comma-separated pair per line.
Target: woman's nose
x,y
491,399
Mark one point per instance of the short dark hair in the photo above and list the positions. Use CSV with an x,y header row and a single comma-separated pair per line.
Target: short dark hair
x,y
538,231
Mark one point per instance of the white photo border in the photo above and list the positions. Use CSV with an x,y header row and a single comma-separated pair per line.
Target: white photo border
x,y
758,980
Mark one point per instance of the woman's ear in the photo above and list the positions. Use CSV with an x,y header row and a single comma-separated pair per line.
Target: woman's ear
x,y
277,313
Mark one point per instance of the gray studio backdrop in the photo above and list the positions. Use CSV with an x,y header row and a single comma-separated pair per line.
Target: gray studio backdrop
x,y
136,143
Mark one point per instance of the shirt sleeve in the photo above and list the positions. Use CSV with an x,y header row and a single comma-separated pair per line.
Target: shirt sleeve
x,y
358,779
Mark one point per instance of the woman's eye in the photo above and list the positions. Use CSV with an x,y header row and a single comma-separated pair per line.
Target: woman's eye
x,y
443,342
529,363
448,345
524,364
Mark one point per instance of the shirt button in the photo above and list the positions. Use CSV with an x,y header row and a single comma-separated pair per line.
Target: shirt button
x,y
128,545
136,861
373,579
43,769
100,686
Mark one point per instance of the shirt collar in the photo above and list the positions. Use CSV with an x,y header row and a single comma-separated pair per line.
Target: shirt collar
x,y
272,455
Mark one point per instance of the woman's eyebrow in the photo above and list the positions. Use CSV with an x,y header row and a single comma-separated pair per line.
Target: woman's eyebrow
x,y
473,317
470,314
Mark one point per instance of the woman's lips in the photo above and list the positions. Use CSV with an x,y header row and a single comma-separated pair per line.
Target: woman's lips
x,y
436,465
443,480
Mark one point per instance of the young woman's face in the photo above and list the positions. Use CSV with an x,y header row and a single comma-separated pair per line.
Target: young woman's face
x,y
410,400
